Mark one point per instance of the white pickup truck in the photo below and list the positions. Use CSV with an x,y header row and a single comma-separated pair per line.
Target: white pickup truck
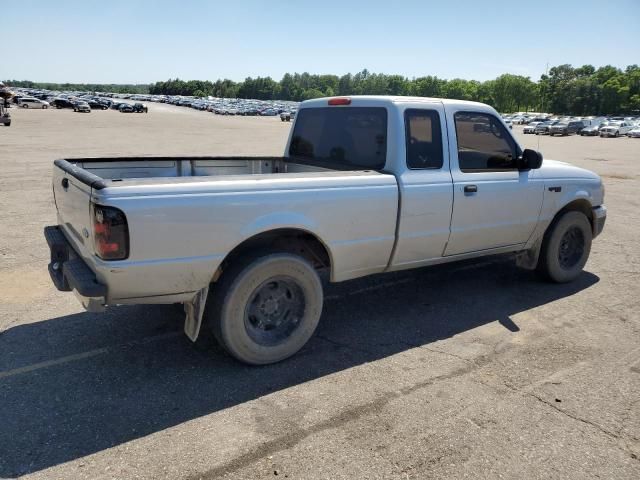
x,y
367,185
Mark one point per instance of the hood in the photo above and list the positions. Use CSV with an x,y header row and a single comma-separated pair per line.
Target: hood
x,y
557,169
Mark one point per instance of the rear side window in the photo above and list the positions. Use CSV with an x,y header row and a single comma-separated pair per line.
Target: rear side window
x,y
484,143
348,138
423,139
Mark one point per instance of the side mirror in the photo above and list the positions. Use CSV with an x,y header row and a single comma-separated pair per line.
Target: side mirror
x,y
530,159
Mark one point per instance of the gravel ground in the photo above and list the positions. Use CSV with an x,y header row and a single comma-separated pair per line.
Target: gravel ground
x,y
473,370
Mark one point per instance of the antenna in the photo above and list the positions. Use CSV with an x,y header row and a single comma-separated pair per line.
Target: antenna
x,y
546,73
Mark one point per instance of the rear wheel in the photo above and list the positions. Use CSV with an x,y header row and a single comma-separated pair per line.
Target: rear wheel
x,y
265,307
24,105
566,247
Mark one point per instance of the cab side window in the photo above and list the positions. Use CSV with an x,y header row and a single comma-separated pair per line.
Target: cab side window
x,y
423,139
484,143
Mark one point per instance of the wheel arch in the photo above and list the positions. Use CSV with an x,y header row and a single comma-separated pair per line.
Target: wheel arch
x,y
287,239
582,205
528,258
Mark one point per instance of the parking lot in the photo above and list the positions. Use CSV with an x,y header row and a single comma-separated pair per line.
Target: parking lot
x,y
472,370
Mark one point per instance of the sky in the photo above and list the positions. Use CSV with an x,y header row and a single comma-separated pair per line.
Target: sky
x,y
142,41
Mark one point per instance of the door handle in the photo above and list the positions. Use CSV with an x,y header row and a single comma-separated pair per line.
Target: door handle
x,y
470,188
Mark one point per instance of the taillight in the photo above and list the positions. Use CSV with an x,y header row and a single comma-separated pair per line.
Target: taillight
x,y
340,101
110,233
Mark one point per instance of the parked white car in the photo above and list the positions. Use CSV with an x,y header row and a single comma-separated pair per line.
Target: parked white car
x,y
32,103
530,128
615,129
634,132
366,185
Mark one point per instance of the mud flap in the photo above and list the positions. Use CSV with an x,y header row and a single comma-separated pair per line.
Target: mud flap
x,y
528,259
195,310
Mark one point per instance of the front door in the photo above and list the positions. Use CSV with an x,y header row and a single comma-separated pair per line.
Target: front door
x,y
494,204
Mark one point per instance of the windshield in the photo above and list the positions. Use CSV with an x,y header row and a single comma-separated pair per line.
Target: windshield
x,y
341,137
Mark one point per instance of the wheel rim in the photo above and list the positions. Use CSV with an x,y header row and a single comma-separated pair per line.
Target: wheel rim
x,y
571,248
274,311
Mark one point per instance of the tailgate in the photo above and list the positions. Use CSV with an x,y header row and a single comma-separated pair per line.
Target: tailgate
x,y
73,198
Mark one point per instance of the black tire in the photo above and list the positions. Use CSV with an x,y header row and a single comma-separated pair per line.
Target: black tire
x,y
265,307
565,247
44,107
617,134
24,105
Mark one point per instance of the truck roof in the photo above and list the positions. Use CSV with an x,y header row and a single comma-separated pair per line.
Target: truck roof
x,y
317,102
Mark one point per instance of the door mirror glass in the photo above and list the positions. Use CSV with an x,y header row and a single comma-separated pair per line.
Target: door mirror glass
x,y
530,159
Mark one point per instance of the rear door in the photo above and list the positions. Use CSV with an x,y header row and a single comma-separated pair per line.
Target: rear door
x,y
494,204
425,185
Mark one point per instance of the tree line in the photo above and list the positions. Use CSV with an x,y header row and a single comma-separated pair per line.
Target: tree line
x,y
81,87
564,89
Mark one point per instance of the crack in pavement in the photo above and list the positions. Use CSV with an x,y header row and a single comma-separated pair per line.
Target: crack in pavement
x,y
616,436
291,439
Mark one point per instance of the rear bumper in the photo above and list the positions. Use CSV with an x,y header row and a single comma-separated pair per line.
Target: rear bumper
x,y
599,218
69,272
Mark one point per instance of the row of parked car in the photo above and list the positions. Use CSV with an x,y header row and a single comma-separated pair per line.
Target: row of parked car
x,y
102,101
222,106
83,104
583,126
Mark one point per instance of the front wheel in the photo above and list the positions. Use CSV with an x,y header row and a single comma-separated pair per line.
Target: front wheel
x,y
565,247
266,307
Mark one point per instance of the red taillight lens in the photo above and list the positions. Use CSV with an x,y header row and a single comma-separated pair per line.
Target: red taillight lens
x,y
340,101
110,233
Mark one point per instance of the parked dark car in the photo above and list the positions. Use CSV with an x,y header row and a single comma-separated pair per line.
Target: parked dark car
x,y
140,108
97,105
126,108
61,103
566,128
543,128
286,116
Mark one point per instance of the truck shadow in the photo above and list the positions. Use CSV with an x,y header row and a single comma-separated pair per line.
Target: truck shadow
x,y
76,385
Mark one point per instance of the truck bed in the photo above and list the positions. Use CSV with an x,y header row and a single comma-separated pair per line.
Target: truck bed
x,y
100,172
185,214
